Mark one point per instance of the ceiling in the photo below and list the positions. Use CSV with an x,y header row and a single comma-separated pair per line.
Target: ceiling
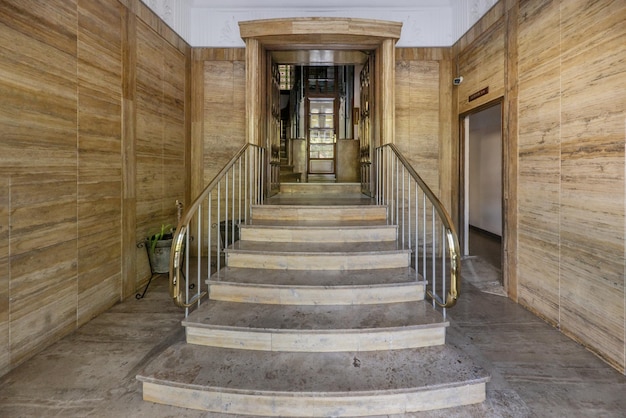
x,y
425,23
306,4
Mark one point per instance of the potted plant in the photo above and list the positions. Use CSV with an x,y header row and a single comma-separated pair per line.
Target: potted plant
x,y
159,245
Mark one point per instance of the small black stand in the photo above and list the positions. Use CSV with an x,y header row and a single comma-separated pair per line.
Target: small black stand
x,y
141,295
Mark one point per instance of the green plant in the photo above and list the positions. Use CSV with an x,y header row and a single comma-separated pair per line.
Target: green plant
x,y
159,235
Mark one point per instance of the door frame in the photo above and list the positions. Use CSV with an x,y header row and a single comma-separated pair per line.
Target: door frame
x,y
463,208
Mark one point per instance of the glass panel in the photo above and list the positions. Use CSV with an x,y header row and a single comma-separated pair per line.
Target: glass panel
x,y
322,106
321,136
321,151
321,121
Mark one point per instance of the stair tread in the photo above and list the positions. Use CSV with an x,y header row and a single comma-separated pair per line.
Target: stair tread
x,y
319,224
325,278
314,318
319,374
335,248
313,200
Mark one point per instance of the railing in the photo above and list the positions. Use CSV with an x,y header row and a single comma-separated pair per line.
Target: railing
x,y
424,225
212,222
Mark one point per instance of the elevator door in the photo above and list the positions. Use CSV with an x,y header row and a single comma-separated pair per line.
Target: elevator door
x,y
322,136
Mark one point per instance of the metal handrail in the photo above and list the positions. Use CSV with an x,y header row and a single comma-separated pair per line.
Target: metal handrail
x,y
224,202
432,257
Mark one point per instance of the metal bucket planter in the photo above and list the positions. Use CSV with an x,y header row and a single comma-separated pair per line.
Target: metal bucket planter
x,y
160,257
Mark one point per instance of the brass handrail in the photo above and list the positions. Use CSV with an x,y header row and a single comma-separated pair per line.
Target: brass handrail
x,y
390,191
246,171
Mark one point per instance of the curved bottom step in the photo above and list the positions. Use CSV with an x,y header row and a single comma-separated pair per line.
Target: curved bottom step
x,y
313,384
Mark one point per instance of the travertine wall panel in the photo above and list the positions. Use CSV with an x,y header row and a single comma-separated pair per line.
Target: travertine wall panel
x,y
224,113
417,116
99,157
43,246
570,264
593,111
482,66
160,130
4,274
539,156
61,155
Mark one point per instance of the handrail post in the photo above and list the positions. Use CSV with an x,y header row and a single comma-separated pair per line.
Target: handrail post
x,y
242,183
391,190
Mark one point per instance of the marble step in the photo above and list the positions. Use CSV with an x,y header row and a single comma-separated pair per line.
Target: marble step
x,y
318,328
319,256
290,177
318,213
260,383
308,231
321,188
322,287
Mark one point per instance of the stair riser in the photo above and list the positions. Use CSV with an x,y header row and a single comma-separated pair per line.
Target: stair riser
x,y
278,234
305,405
315,295
299,213
320,342
325,188
283,261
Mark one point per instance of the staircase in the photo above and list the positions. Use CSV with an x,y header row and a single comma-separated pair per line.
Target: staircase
x,y
317,313
287,174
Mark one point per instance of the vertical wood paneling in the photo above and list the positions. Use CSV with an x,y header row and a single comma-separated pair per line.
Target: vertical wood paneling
x,y
99,163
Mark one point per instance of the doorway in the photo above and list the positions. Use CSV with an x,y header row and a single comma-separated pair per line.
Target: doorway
x,y
482,185
319,135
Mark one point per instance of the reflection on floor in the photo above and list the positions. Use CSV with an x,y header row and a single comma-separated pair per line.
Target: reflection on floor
x,y
486,245
536,371
483,267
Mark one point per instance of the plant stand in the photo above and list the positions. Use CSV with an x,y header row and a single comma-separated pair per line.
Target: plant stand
x,y
141,295
153,267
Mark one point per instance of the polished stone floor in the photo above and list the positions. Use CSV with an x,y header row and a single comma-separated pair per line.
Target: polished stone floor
x,y
536,371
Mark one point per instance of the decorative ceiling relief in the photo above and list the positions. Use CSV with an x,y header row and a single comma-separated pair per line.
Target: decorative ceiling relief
x,y
164,9
229,33
478,8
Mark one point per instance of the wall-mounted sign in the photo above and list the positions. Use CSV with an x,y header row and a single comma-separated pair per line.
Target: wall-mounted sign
x,y
479,93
